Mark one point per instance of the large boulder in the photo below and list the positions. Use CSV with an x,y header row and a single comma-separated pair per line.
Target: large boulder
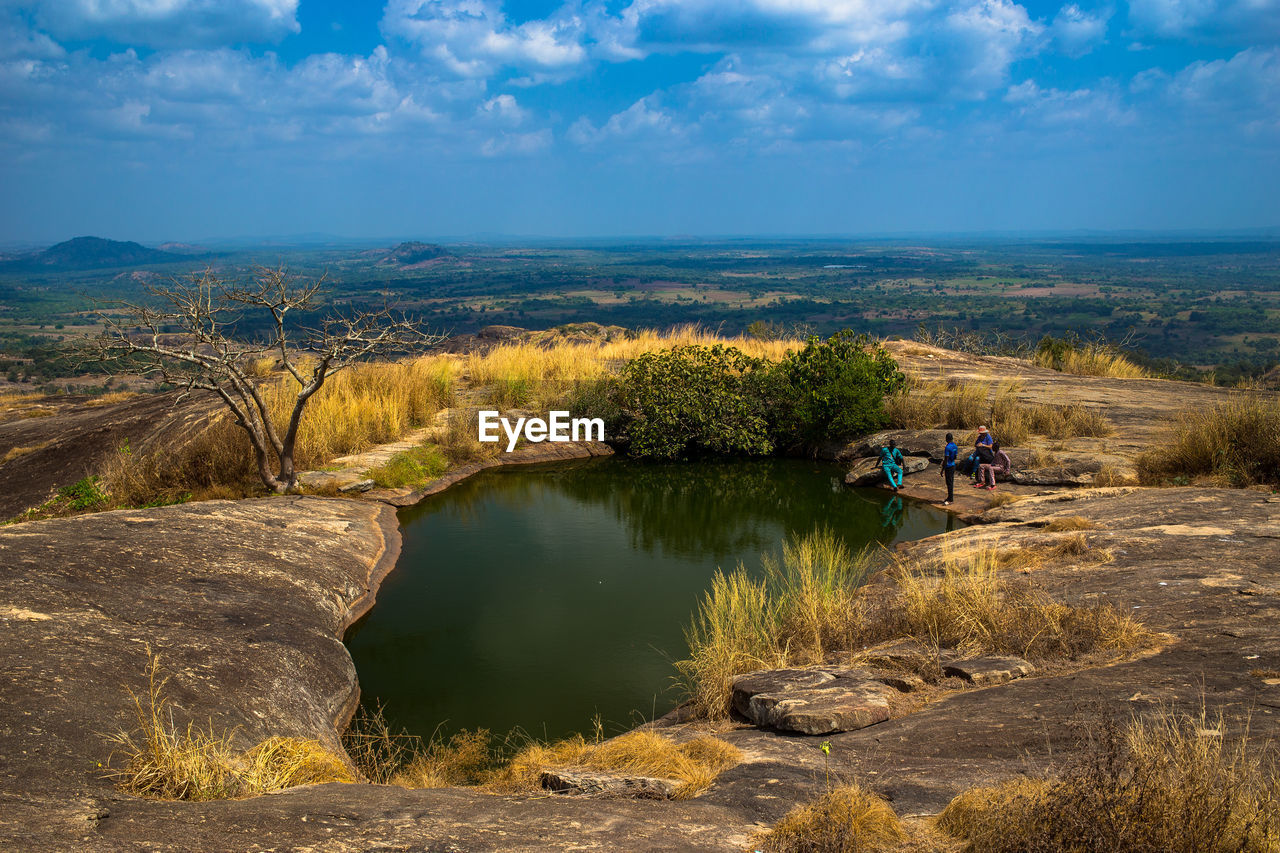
x,y
812,701
867,471
912,442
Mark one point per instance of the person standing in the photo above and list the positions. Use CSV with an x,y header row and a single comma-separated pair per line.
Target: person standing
x,y
891,463
949,454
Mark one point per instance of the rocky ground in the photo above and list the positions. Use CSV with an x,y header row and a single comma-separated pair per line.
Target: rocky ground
x,y
247,602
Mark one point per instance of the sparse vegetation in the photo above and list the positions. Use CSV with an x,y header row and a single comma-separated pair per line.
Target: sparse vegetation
x,y
1088,358
518,763
1174,783
363,406
968,405
848,819
1069,522
812,607
1235,443
160,759
412,467
695,764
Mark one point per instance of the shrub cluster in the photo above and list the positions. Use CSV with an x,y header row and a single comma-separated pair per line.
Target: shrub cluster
x,y
715,400
1236,443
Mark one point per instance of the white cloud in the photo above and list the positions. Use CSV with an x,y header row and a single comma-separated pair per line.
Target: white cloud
x,y
1247,85
643,119
1248,21
1076,32
167,23
1081,110
473,38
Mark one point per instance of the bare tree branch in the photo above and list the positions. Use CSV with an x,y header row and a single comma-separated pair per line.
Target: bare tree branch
x,y
191,339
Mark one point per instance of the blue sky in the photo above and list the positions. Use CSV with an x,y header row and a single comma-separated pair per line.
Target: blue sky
x,y
196,119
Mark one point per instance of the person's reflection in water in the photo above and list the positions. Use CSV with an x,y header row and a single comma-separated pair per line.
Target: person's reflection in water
x,y
891,513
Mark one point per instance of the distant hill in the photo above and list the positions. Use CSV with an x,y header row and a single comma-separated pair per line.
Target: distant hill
x,y
415,252
82,253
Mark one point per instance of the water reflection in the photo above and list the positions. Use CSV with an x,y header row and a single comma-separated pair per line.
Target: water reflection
x,y
537,596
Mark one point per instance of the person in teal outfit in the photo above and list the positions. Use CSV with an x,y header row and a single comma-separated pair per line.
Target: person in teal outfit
x,y
891,463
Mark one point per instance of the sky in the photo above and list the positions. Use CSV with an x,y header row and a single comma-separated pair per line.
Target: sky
x,y
189,120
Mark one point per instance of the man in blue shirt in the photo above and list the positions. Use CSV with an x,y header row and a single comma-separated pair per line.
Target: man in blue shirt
x,y
949,455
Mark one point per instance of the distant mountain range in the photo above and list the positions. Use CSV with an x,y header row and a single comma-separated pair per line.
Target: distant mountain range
x,y
86,253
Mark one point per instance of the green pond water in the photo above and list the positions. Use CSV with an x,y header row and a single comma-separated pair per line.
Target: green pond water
x,y
538,596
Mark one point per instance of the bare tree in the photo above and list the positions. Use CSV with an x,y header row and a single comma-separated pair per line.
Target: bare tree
x,y
193,340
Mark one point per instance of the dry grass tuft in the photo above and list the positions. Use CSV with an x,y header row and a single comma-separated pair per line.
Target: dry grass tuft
x,y
110,398
847,819
1002,499
14,452
695,763
968,405
806,608
961,602
164,761
285,762
1237,443
459,439
812,607
1172,782
464,759
1070,522
1091,359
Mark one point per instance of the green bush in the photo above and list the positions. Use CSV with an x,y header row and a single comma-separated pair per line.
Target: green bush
x,y
696,400
833,389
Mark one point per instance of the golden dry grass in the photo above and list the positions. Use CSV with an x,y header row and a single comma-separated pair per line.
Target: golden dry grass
x,y
110,398
356,409
848,819
1092,360
960,601
1070,522
536,375
1235,443
1002,499
695,763
807,606
1170,782
463,759
14,452
999,406
813,607
17,405
163,760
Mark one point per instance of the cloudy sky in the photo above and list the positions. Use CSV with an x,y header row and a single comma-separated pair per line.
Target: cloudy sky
x,y
191,119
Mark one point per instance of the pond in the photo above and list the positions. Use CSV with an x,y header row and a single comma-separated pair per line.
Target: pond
x,y
539,596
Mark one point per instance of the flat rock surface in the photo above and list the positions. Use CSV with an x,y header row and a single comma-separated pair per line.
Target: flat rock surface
x,y
812,701
74,436
246,601
988,670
